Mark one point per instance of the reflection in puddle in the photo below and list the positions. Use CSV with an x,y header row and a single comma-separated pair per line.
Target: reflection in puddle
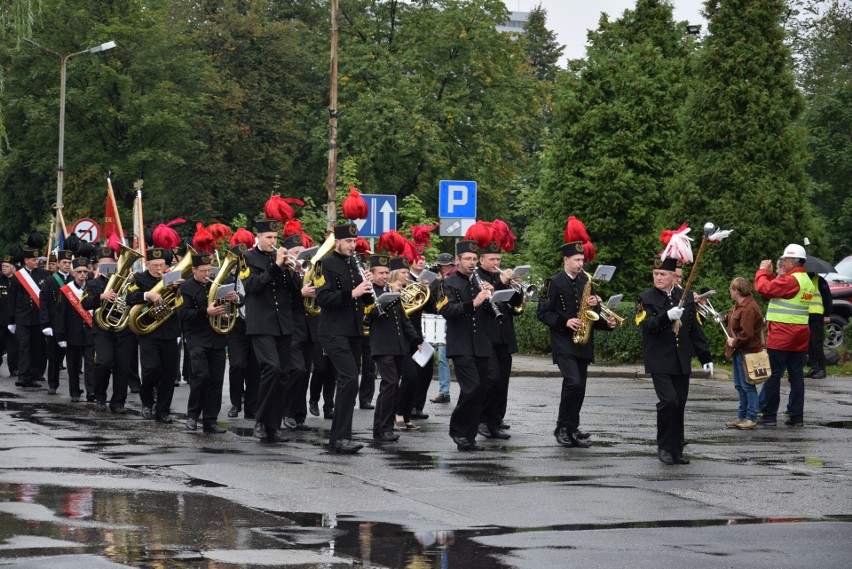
x,y
838,424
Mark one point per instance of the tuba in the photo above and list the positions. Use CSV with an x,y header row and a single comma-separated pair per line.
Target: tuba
x,y
223,323
113,315
145,318
586,315
309,266
414,297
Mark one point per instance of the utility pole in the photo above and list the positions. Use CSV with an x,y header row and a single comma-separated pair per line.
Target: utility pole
x,y
331,181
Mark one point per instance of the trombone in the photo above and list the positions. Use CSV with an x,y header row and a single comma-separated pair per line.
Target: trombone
x,y
706,310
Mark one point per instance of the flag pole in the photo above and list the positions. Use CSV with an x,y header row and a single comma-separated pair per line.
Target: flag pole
x,y
111,197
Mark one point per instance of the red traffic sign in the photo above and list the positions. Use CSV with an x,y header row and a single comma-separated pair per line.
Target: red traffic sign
x,y
87,230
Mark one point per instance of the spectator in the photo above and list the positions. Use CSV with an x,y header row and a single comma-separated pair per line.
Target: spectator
x,y
745,336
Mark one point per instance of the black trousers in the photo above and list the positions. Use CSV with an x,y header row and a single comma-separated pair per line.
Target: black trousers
x,y
9,346
495,390
322,379
672,392
342,352
243,371
301,362
470,374
134,380
423,382
55,355
276,385
81,358
407,388
368,374
205,385
389,369
113,355
160,358
816,355
574,372
31,353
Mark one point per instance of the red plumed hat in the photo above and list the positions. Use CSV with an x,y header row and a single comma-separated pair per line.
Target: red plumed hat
x,y
354,206
279,208
422,234
165,237
575,231
243,236
482,232
203,241
394,243
294,227
503,235
114,242
362,246
220,232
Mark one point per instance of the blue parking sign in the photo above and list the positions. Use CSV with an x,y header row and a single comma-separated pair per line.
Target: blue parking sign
x,y
381,215
457,198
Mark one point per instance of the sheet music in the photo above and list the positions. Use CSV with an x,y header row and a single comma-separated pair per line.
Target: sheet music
x,y
614,301
503,295
224,290
604,273
171,277
422,356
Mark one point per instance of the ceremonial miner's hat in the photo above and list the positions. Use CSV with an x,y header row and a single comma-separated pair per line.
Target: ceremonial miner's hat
x,y
345,231
80,262
399,263
155,254
467,246
64,255
200,259
379,261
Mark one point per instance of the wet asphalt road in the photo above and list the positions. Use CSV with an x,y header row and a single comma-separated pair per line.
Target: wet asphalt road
x,y
84,489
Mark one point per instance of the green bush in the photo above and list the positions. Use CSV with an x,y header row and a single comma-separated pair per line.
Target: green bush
x,y
533,336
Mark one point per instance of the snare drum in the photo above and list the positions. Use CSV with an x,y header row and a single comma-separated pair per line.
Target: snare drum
x,y
434,329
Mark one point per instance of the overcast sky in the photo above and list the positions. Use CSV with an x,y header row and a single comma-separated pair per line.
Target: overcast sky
x,y
571,19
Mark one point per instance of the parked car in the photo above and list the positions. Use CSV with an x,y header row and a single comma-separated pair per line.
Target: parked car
x,y
841,313
842,272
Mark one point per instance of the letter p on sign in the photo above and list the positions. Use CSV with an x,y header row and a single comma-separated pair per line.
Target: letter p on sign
x,y
457,198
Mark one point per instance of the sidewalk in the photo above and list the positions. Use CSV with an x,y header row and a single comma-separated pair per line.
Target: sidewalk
x,y
541,365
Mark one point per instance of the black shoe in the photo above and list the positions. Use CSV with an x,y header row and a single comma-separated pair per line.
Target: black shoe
x,y
51,391
100,405
164,418
505,426
328,415
118,410
418,414
213,429
794,422
820,374
665,456
367,405
290,423
441,397
681,460
260,432
578,434
313,407
192,423
811,372
345,446
386,437
177,383
134,390
464,444
248,415
484,430
90,398
147,413
764,422
303,427
13,372
498,434
566,439
26,384
275,436
233,411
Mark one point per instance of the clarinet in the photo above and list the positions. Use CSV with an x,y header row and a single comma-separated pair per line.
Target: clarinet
x,y
494,308
379,310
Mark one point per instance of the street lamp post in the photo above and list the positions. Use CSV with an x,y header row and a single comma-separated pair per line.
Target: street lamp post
x,y
63,60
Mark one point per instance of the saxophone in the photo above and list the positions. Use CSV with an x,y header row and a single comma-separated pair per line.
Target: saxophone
x,y
586,315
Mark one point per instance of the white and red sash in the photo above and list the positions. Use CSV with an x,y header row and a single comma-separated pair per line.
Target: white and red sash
x,y
29,285
73,294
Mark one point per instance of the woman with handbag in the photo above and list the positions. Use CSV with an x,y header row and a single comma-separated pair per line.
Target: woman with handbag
x,y
745,336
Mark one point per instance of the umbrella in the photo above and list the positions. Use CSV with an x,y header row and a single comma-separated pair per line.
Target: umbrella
x,y
817,265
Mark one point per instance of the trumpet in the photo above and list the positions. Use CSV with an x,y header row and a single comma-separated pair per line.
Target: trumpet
x,y
526,290
605,310
706,310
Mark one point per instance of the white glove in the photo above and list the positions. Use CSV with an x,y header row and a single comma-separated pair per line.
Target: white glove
x,y
12,328
675,313
47,331
178,341
62,344
708,367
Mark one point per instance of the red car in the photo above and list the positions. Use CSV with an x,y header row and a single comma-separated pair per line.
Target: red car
x,y
841,313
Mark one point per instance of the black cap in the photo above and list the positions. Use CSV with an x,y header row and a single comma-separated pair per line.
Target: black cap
x,y
200,259
294,240
239,249
492,247
29,253
467,246
667,264
268,225
155,254
398,263
80,262
64,255
379,260
572,248
51,258
8,258
346,231
445,259
179,250
104,252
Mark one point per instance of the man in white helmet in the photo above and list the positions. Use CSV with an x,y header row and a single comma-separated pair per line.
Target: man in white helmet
x,y
787,321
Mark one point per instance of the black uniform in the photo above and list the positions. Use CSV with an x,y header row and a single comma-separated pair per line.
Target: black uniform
x,y
469,347
243,371
159,353
366,365
206,350
423,375
47,314
269,323
340,329
8,342
113,351
559,302
501,333
668,359
392,336
25,317
301,358
71,328
322,376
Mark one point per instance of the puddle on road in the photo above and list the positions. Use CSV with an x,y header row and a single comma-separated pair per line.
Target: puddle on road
x,y
838,424
195,531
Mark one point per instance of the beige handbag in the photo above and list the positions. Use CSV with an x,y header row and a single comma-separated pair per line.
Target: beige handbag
x,y
756,367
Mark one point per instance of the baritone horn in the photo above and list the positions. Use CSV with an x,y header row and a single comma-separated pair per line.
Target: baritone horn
x,y
223,323
114,315
145,318
309,267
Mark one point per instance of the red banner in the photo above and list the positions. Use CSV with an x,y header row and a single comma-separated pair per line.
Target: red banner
x,y
112,221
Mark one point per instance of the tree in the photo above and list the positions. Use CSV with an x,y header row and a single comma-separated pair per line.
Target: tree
x,y
540,45
614,149
747,157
